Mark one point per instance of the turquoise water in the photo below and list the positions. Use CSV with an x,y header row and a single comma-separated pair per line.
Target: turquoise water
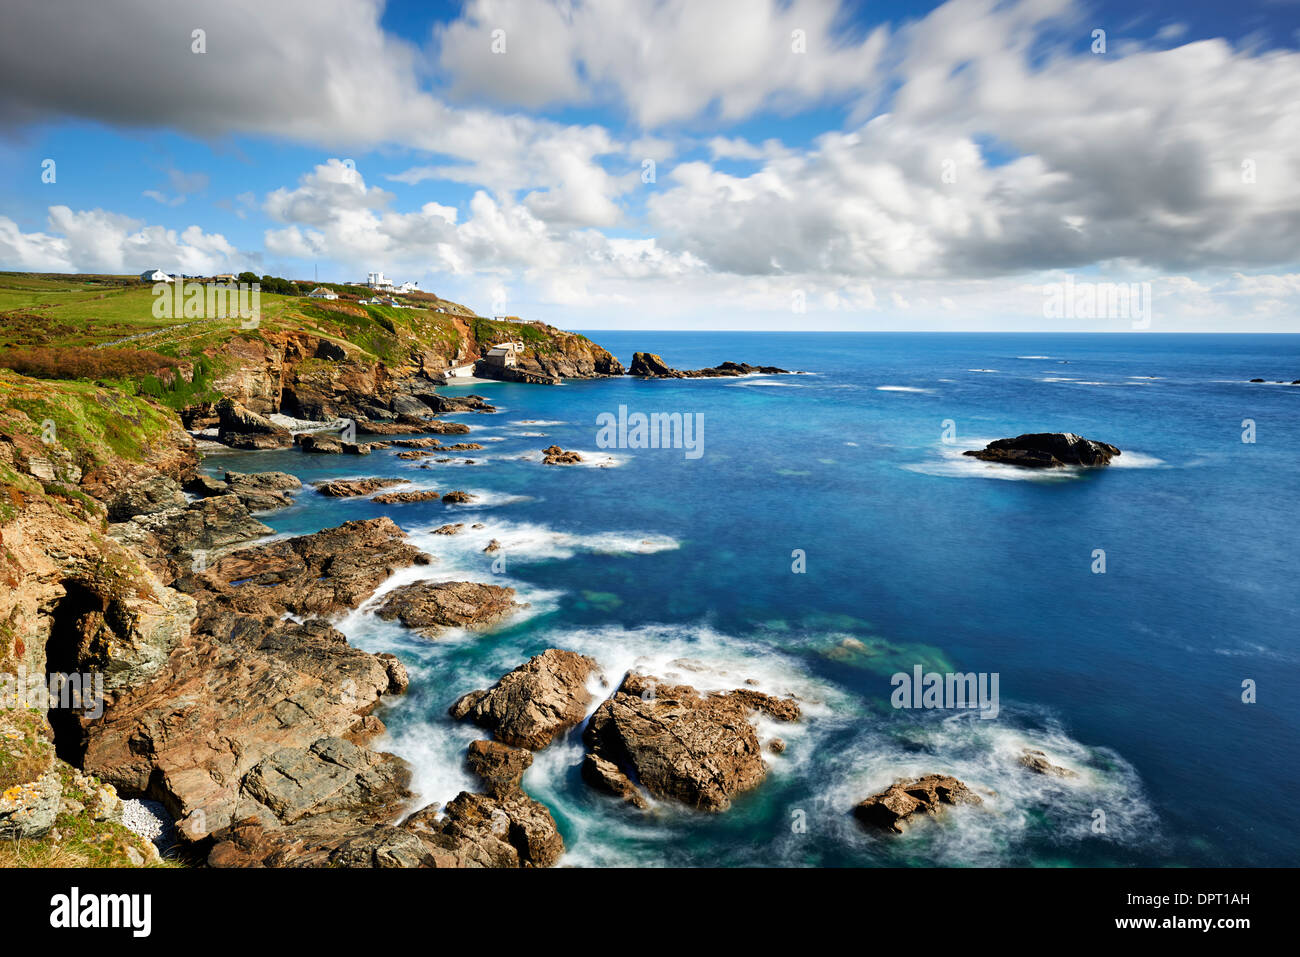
x,y
913,555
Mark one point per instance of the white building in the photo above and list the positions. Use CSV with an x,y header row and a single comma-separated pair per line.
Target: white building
x,y
409,286
506,354
320,292
377,280
154,275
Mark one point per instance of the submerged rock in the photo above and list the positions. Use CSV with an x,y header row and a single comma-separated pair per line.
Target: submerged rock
x,y
402,498
1042,450
533,704
1037,762
893,807
457,498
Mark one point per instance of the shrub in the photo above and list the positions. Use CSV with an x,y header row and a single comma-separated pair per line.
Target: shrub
x,y
79,362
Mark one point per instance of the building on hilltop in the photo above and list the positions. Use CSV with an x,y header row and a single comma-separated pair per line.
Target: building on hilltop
x,y
154,275
320,292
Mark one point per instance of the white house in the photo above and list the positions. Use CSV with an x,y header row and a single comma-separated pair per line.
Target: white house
x,y
506,354
154,275
409,286
320,292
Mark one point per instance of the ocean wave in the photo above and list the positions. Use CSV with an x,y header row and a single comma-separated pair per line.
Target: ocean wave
x,y
528,542
1035,357
538,422
1018,805
901,388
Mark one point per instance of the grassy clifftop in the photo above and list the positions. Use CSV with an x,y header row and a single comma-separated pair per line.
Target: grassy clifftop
x,y
197,358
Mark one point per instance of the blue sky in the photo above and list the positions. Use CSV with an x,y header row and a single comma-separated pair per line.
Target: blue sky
x,y
913,166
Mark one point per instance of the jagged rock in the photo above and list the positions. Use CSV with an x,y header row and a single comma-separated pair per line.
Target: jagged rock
x,y
1037,762
155,494
349,488
554,455
540,699
332,570
239,690
240,428
403,498
892,808
451,529
330,775
318,843
263,491
500,766
455,403
412,455
483,831
205,526
430,607
424,443
700,749
1041,450
492,546
457,498
605,775
30,792
206,486
319,444
651,366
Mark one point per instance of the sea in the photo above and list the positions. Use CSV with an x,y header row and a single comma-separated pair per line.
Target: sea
x,y
824,535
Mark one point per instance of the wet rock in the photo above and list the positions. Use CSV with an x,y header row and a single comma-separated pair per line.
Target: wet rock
x,y
893,808
405,498
492,546
1042,450
531,705
240,428
700,749
206,486
430,607
457,498
350,488
483,831
450,529
1037,762
500,766
554,455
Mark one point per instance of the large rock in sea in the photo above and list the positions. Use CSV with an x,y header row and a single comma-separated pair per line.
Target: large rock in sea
x,y
533,704
700,749
430,607
652,366
892,808
1046,450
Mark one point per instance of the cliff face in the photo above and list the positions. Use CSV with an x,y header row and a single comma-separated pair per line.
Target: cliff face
x,y
321,376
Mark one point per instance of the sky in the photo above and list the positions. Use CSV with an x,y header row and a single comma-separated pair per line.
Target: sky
x,y
677,164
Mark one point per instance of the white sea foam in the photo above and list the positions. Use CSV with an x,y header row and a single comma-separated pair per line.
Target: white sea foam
x,y
981,370
1033,357
538,422
901,388
527,542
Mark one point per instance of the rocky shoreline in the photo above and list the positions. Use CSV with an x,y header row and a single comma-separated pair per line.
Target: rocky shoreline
x,y
234,702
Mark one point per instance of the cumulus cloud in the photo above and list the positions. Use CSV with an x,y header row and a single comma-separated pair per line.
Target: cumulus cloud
x,y
666,61
104,242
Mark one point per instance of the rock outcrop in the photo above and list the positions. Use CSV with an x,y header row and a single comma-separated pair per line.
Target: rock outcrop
x,y
554,455
893,808
263,491
432,607
405,498
699,749
242,429
531,705
1037,762
1045,450
652,366
350,488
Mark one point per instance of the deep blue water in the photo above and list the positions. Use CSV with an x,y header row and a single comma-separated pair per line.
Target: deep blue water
x,y
914,555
